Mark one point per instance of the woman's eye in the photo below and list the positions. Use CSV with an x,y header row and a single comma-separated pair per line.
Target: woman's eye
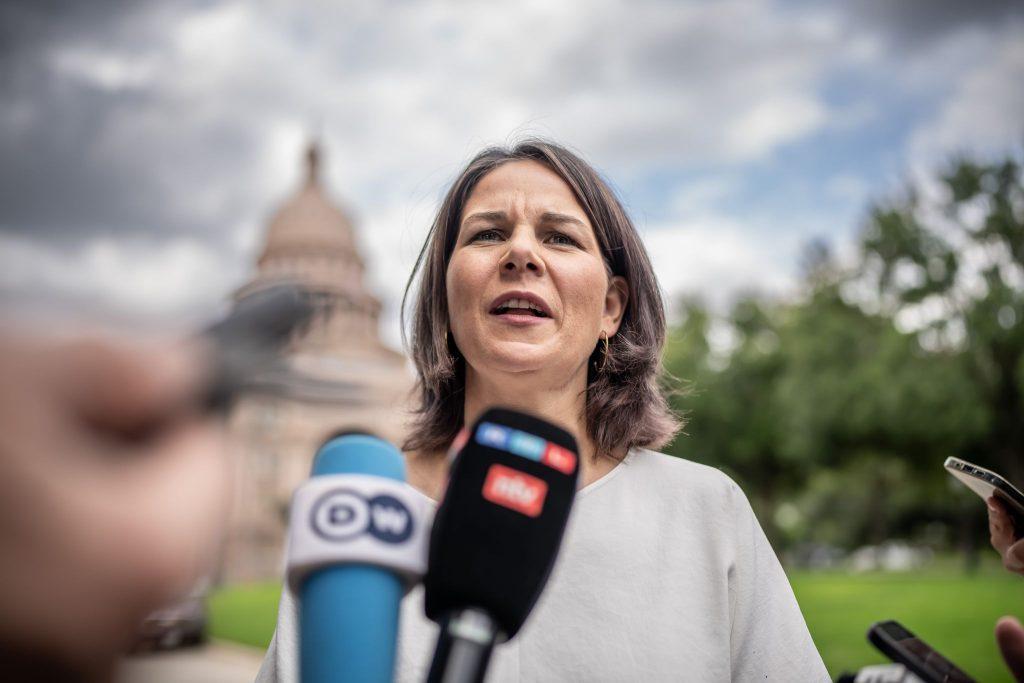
x,y
560,238
487,236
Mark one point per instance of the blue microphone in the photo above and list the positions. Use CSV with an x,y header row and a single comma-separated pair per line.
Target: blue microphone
x,y
357,543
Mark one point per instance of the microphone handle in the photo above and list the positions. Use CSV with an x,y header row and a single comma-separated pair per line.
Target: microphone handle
x,y
464,647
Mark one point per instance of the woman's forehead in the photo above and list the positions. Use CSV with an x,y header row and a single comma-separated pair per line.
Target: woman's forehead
x,y
523,186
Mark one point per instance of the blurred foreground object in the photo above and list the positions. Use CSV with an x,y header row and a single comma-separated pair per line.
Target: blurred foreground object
x,y
114,481
113,491
248,350
1010,637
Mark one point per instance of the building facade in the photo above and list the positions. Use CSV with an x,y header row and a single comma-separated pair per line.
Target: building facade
x,y
309,240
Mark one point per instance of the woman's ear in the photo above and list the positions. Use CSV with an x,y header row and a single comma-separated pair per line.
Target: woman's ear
x,y
615,302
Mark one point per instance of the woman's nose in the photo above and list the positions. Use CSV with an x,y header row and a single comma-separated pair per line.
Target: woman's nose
x,y
522,254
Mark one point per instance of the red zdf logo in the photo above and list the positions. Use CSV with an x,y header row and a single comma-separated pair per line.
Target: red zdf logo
x,y
515,490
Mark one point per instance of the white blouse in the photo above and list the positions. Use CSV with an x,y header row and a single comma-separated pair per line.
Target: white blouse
x,y
664,575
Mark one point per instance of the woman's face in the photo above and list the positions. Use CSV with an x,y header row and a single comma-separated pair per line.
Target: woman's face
x,y
527,287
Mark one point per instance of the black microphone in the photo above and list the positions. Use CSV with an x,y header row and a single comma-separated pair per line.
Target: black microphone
x,y
495,537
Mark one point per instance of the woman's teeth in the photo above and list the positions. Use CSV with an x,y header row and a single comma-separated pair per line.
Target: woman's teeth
x,y
520,306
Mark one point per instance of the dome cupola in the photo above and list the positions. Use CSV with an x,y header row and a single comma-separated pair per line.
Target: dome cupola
x,y
309,223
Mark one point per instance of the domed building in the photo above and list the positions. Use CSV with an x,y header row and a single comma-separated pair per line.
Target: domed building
x,y
309,240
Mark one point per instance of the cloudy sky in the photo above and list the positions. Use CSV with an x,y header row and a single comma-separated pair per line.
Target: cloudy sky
x,y
144,144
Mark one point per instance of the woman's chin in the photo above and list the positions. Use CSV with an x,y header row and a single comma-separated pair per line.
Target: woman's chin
x,y
512,356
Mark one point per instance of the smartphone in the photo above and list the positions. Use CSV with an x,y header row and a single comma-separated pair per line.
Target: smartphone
x,y
903,647
988,484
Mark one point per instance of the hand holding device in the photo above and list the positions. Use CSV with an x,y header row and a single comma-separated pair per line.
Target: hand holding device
x,y
113,492
496,536
988,484
113,481
1005,509
113,484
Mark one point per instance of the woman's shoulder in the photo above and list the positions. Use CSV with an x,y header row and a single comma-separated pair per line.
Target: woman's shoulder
x,y
673,498
661,470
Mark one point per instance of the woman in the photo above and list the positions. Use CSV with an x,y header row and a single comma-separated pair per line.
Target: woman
x,y
536,294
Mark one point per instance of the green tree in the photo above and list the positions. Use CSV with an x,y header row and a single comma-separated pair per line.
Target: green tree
x,y
950,264
733,419
838,406
825,410
873,414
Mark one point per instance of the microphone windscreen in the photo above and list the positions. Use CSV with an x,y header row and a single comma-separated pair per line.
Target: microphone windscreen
x,y
349,613
359,454
498,528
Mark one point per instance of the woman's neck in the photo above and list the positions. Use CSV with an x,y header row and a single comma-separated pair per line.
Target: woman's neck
x,y
561,404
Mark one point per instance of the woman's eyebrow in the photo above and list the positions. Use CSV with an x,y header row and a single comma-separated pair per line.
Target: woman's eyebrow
x,y
561,218
494,216
547,218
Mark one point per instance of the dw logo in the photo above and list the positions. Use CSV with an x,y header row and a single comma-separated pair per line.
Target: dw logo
x,y
342,515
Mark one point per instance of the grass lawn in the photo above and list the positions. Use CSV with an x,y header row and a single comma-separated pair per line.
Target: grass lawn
x,y
952,612
244,613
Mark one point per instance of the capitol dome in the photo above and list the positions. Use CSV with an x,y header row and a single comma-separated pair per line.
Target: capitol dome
x,y
309,223
311,240
312,243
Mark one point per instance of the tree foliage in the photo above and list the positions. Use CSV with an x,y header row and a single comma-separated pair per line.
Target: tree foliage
x,y
836,410
952,266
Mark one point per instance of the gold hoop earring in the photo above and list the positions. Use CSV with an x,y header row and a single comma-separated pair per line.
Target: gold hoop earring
x,y
604,353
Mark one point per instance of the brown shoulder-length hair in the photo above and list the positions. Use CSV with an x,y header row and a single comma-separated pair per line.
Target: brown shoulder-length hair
x,y
625,406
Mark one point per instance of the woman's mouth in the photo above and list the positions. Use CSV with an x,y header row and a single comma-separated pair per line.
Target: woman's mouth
x,y
519,307
520,311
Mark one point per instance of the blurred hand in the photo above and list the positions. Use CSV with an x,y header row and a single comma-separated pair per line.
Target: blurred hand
x,y
113,494
1000,527
1010,636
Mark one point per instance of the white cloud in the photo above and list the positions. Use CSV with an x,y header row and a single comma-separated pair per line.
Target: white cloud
x,y
103,68
404,93
774,121
180,279
716,258
984,112
412,86
703,195
847,187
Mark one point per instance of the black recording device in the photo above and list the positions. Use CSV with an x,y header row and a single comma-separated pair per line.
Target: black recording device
x,y
496,536
247,348
903,647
